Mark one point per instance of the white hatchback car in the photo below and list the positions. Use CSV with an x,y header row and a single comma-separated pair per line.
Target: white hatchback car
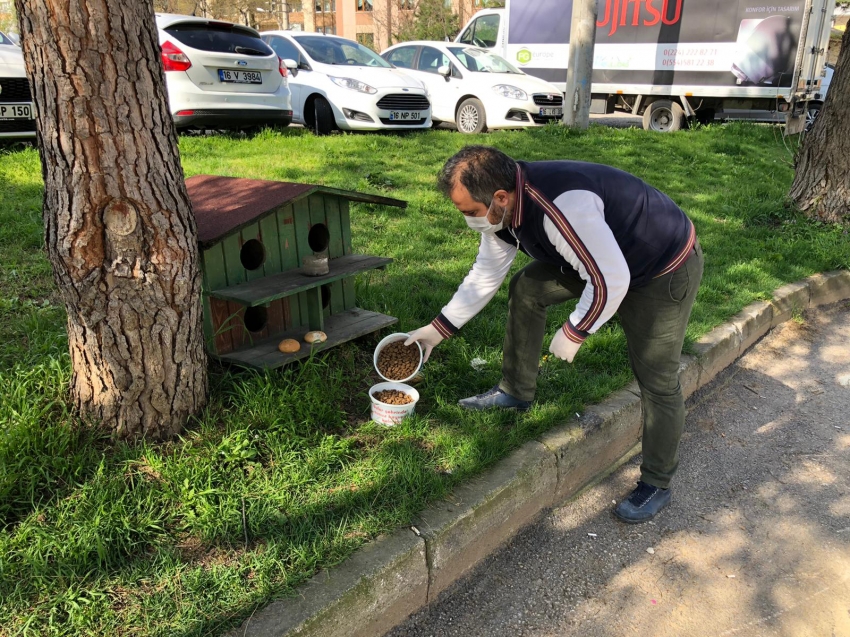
x,y
475,89
17,115
338,83
221,75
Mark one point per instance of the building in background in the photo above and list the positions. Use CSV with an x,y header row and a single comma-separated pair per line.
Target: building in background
x,y
374,23
8,21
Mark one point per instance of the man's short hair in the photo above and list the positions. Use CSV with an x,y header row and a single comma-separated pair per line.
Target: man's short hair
x,y
482,170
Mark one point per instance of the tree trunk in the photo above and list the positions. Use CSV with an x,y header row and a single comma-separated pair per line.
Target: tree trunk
x,y
119,230
821,185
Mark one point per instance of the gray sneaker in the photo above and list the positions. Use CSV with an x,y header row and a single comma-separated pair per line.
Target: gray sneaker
x,y
494,398
643,503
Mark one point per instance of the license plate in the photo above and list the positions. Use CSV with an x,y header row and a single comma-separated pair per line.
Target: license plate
x,y
15,111
404,116
240,77
552,111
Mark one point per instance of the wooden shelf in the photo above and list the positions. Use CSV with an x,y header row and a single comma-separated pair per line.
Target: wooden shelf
x,y
267,289
340,328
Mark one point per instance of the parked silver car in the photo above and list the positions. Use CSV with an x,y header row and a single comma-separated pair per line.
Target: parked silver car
x,y
221,75
17,114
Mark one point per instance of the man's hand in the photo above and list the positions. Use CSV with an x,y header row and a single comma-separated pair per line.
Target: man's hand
x,y
428,338
564,348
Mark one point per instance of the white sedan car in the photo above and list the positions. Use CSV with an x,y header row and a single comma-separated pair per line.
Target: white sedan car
x,y
221,75
338,83
475,89
17,115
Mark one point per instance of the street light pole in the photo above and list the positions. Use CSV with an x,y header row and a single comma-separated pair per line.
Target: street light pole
x,y
284,15
580,66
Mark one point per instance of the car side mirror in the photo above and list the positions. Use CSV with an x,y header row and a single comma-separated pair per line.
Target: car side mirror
x,y
445,71
291,65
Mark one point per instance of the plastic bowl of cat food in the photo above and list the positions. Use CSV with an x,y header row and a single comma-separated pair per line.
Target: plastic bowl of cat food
x,y
396,363
392,402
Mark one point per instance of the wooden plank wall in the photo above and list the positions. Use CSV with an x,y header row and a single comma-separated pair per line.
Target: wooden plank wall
x,y
284,235
324,209
345,222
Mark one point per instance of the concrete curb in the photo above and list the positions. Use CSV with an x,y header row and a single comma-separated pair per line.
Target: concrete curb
x,y
485,513
391,578
372,591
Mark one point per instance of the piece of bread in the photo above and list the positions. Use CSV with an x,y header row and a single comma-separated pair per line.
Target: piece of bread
x,y
289,346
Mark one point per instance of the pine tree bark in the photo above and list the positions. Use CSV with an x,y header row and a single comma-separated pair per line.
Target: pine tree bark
x,y
119,230
821,187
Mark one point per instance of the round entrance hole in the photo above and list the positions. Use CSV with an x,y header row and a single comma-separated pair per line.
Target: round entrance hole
x,y
252,254
319,238
326,296
256,318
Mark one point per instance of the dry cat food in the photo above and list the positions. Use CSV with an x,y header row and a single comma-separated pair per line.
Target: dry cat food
x,y
396,361
393,397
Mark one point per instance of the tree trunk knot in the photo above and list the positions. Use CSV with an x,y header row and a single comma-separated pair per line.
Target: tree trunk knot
x,y
120,217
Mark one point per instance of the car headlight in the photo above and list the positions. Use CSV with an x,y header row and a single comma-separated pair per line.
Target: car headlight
x,y
354,85
506,90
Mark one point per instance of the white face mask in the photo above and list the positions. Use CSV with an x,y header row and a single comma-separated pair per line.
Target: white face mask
x,y
482,224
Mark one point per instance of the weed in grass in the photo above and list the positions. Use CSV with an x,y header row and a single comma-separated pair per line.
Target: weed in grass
x,y
151,539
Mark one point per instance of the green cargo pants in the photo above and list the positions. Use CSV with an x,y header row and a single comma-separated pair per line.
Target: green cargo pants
x,y
654,318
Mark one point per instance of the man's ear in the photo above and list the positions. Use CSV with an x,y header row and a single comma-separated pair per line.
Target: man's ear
x,y
501,197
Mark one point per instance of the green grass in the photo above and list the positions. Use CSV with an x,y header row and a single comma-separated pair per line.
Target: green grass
x,y
149,539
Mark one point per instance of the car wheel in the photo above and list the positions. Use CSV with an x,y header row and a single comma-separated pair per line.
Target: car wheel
x,y
663,116
470,116
811,115
323,117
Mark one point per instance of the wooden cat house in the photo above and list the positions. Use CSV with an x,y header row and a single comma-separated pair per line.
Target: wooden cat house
x,y
254,236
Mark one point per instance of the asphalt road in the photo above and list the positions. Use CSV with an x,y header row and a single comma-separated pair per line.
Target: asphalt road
x,y
756,541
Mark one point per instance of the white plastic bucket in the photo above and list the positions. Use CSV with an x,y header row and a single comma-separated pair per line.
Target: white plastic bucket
x,y
392,414
392,338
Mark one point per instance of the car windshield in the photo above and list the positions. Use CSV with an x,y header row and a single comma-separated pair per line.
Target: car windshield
x,y
327,50
481,61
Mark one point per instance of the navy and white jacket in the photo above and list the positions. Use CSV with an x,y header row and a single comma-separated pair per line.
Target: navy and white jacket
x,y
615,230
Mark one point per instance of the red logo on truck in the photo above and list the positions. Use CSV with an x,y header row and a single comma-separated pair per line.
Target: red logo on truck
x,y
644,13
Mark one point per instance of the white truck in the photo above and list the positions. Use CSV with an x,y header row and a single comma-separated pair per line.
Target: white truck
x,y
668,60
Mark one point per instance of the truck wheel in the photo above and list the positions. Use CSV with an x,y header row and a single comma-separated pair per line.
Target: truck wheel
x,y
812,114
470,116
663,116
323,117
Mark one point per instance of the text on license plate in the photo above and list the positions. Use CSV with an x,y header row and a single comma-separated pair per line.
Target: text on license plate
x,y
404,116
15,111
553,111
240,77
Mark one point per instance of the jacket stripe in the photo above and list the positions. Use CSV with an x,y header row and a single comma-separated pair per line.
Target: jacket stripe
x,y
571,333
600,289
683,255
516,222
442,325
